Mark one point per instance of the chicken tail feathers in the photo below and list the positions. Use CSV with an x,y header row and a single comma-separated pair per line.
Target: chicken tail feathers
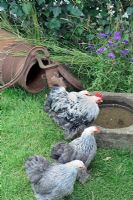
x,y
57,150
63,153
35,166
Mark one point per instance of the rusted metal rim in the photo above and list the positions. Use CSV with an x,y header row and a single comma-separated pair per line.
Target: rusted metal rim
x,y
34,78
33,70
26,67
70,78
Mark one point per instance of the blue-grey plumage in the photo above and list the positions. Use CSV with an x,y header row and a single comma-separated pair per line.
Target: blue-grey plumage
x,y
83,148
73,111
53,181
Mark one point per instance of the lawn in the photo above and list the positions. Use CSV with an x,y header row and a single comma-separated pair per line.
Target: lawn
x,y
27,130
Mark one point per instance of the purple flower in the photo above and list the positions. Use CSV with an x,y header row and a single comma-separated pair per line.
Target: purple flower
x,y
110,42
102,35
111,55
131,59
117,36
90,45
101,50
124,52
125,41
91,48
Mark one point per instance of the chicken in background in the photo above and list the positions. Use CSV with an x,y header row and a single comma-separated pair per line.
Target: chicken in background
x,y
83,148
73,111
53,181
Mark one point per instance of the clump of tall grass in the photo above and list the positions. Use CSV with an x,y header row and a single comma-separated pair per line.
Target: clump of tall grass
x,y
96,72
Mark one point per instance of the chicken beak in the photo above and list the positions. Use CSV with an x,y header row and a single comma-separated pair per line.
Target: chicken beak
x,y
99,101
84,168
98,130
83,175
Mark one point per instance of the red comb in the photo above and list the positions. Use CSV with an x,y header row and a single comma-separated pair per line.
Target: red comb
x,y
98,94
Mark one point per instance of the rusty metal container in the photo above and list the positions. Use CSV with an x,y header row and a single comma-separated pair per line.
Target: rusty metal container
x,y
19,65
30,66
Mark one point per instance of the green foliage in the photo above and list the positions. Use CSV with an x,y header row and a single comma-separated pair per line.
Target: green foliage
x,y
27,8
130,10
76,21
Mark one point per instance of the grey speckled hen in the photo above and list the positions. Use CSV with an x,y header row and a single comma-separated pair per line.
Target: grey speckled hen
x,y
73,111
53,181
83,148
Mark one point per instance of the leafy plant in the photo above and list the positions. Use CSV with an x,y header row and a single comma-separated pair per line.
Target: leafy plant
x,y
71,21
115,46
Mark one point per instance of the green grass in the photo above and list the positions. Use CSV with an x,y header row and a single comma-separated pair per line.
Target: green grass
x,y
27,130
96,72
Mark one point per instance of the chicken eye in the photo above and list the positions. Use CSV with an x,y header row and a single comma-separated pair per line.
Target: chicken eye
x,y
88,94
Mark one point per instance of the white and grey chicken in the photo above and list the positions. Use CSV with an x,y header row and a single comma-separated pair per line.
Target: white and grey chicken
x,y
73,111
54,181
83,148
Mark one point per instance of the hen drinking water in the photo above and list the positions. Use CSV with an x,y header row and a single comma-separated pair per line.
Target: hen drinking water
x,y
73,111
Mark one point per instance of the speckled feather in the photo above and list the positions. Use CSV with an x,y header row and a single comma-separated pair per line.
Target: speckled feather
x,y
83,148
72,111
52,181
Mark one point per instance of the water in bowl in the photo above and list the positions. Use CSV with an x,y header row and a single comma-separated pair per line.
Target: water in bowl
x,y
113,116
